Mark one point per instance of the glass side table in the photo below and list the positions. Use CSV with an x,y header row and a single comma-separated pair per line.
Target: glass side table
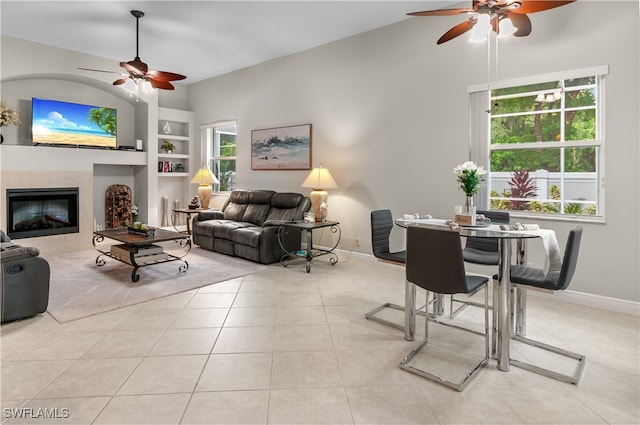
x,y
188,212
311,252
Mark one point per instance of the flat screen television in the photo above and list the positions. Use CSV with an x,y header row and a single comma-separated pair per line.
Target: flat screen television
x,y
64,123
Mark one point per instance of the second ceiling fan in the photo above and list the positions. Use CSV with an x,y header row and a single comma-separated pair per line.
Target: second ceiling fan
x,y
496,15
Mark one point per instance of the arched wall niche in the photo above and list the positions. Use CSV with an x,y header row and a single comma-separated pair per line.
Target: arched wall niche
x,y
17,92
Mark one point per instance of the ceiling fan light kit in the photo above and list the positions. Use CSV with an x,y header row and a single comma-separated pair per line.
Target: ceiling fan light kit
x,y
504,17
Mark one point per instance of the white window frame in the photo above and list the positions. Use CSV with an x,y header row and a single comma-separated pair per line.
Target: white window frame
x,y
480,134
211,141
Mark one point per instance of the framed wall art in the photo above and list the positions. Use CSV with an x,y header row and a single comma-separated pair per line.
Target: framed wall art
x,y
281,148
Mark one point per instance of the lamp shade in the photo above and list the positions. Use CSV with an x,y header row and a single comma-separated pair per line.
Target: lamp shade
x,y
320,178
204,176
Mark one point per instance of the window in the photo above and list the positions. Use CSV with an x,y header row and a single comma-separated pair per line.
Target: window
x,y
545,146
221,153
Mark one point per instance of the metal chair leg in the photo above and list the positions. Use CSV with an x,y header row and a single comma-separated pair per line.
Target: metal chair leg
x,y
372,315
454,312
520,304
458,386
572,379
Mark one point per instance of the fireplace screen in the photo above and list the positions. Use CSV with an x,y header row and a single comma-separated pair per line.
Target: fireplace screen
x,y
41,212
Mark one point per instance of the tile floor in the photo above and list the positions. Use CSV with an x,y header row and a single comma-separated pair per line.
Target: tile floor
x,y
286,347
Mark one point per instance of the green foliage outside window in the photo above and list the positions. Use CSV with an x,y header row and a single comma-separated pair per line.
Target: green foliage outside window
x,y
536,114
225,169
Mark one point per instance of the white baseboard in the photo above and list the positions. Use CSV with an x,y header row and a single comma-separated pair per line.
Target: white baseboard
x,y
591,300
572,297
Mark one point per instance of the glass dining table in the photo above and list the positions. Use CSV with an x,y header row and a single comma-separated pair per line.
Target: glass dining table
x,y
502,324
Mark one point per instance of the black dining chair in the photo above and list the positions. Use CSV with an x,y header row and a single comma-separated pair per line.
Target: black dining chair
x,y
483,251
381,227
435,263
525,277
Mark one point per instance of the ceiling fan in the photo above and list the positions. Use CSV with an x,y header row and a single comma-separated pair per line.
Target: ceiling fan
x,y
138,73
506,16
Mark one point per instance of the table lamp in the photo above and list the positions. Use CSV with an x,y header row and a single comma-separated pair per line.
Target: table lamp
x,y
319,179
204,177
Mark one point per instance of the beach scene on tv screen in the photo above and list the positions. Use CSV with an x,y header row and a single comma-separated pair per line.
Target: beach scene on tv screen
x,y
65,123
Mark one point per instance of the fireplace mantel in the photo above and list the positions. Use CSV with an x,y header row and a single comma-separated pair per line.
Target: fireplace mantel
x,y
49,158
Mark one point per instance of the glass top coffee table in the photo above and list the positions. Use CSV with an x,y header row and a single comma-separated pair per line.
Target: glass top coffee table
x,y
140,250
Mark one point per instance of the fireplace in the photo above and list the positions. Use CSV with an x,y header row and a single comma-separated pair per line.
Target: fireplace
x,y
42,212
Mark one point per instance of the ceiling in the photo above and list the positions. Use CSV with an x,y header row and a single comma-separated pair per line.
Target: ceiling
x,y
199,39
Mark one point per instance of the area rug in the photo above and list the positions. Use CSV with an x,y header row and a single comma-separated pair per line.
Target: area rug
x,y
80,289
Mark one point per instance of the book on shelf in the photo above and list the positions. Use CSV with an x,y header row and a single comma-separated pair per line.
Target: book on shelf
x,y
124,249
145,255
165,167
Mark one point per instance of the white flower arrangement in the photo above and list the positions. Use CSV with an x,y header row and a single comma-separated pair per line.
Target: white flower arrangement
x,y
470,176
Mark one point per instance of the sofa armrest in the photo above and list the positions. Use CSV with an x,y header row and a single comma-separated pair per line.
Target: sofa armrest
x,y
17,252
209,215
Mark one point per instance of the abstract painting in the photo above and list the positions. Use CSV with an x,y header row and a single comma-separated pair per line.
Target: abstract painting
x,y
281,148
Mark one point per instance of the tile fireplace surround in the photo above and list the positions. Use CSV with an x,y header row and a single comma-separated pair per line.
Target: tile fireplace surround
x,y
49,245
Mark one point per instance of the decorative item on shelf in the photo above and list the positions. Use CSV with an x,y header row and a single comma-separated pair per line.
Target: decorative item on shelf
x,y
309,217
204,178
134,213
166,128
167,146
179,168
165,207
139,144
165,167
195,203
141,229
177,219
7,117
319,179
323,211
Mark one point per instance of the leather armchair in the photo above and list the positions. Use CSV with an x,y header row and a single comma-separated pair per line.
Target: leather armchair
x,y
24,281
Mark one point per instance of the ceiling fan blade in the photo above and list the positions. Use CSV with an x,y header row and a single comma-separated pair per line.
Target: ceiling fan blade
x,y
120,81
100,70
159,84
164,76
521,22
457,30
441,12
532,6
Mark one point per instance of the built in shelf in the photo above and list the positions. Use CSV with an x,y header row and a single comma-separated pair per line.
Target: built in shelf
x,y
173,174
173,137
173,155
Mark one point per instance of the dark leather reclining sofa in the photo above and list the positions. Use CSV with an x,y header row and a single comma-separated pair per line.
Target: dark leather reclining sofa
x,y
248,225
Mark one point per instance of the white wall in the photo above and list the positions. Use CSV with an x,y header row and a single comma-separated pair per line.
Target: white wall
x,y
390,117
389,110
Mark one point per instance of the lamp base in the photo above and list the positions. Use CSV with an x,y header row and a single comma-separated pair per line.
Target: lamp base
x,y
318,196
204,193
